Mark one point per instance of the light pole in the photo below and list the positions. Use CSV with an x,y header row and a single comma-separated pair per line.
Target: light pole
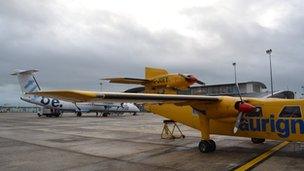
x,y
234,66
269,51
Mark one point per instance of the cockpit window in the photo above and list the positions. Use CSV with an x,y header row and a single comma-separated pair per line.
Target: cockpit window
x,y
255,113
291,112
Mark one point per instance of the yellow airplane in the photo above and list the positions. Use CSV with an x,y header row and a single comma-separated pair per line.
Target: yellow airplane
x,y
256,118
160,81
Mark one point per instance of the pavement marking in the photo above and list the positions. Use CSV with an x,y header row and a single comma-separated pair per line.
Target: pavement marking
x,y
261,157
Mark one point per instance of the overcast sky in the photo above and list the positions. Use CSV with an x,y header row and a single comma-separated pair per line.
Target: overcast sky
x,y
75,43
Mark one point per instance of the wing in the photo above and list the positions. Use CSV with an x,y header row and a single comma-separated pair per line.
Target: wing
x,y
93,96
127,80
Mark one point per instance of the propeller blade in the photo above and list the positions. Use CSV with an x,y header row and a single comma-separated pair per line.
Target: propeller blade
x,y
236,82
239,92
238,122
200,82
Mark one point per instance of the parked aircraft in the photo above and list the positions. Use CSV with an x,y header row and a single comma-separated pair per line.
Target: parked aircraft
x,y
160,81
28,83
256,118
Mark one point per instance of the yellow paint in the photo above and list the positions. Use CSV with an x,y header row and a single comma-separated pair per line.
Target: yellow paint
x,y
150,73
262,157
222,116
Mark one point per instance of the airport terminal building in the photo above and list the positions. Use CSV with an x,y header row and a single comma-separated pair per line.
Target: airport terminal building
x,y
19,109
249,89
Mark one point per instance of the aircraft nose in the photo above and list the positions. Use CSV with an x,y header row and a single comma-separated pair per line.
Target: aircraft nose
x,y
134,108
245,107
24,98
191,78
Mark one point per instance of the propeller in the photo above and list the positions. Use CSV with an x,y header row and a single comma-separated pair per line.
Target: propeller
x,y
241,106
192,79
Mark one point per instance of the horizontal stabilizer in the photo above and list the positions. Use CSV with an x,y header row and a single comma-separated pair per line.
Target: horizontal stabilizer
x,y
19,71
127,80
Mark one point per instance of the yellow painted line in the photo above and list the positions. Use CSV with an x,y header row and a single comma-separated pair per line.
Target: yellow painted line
x,y
262,157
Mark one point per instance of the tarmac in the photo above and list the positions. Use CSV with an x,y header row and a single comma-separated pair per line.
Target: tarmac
x,y
125,142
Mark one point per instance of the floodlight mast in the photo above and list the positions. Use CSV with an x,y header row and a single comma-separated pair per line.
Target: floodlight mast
x,y
269,51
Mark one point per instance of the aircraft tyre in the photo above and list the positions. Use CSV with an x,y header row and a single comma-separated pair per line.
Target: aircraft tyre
x,y
105,114
257,140
57,115
206,146
213,145
78,114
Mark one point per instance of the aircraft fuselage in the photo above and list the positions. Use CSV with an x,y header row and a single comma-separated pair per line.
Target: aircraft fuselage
x,y
61,105
278,119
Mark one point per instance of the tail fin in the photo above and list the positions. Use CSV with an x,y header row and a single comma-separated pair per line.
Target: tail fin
x,y
27,80
153,72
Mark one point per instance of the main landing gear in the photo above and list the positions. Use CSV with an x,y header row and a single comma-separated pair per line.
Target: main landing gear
x,y
105,114
206,146
257,140
79,114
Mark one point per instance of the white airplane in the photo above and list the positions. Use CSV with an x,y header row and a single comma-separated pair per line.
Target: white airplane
x,y
29,84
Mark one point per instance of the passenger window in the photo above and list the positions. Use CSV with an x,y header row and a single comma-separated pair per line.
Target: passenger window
x,y
255,113
291,112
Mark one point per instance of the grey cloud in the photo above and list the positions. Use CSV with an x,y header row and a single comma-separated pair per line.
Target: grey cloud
x,y
75,52
247,41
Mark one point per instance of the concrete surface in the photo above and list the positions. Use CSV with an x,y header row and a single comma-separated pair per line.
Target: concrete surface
x,y
126,142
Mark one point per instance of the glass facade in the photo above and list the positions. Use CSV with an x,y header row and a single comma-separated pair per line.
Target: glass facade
x,y
225,89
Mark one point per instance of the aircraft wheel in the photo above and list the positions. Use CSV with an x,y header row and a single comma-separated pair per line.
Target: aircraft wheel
x,y
212,145
78,114
257,140
204,146
105,114
58,114
134,114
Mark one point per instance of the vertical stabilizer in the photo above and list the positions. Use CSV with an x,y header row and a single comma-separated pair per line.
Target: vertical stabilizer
x,y
27,80
154,72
